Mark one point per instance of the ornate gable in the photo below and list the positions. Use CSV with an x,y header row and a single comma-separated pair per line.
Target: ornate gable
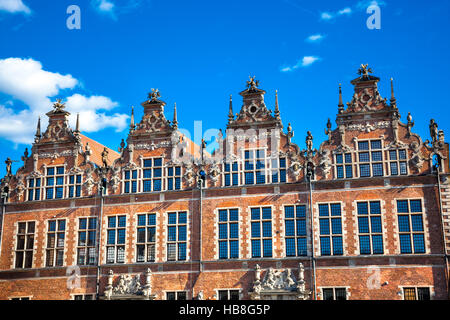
x,y
254,110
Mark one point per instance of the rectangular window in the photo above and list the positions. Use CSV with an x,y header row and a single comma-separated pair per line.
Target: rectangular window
x,y
228,294
370,227
261,232
176,295
146,238
344,168
228,233
176,236
370,156
334,294
173,178
153,175
84,297
130,181
231,174
34,189
330,227
255,166
398,162
74,186
279,170
295,230
416,293
54,183
25,244
87,241
56,233
410,226
115,243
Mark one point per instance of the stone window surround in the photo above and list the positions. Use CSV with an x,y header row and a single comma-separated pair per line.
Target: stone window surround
x,y
216,292
249,228
116,245
415,286
65,185
164,235
355,160
424,221
308,229
45,240
241,168
317,228
140,176
347,290
216,232
35,244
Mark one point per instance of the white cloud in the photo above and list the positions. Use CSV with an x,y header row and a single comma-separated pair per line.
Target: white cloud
x,y
364,4
25,80
105,5
315,38
304,62
116,8
345,11
326,16
14,6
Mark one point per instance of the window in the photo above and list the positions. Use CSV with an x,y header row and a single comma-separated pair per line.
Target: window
x,y
115,244
228,233
330,225
370,229
34,189
176,236
54,183
84,297
334,293
176,295
370,156
173,178
261,232
416,294
20,298
344,168
295,230
231,174
410,226
87,239
74,186
130,179
25,244
398,162
254,166
228,294
152,174
56,233
278,170
146,237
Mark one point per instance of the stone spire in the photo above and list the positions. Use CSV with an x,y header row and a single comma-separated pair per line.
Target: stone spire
x,y
230,110
132,125
77,126
341,103
38,130
393,100
277,110
175,121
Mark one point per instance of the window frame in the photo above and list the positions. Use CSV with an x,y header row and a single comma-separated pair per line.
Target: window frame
x,y
116,246
26,249
88,249
261,237
53,251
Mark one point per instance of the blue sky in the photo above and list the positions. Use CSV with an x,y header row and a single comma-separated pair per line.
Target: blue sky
x,y
197,53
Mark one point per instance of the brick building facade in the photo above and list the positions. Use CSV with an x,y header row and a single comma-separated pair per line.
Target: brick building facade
x,y
364,216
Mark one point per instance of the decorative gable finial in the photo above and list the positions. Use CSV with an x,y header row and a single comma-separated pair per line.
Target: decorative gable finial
x,y
154,95
132,125
252,84
393,100
277,110
58,106
77,126
364,71
230,110
175,121
38,131
341,103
